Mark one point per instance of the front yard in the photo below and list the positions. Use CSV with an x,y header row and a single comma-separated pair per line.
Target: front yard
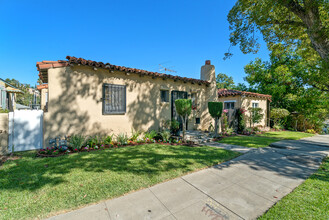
x,y
263,140
308,201
38,187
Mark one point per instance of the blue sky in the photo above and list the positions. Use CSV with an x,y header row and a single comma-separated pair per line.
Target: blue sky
x,y
139,34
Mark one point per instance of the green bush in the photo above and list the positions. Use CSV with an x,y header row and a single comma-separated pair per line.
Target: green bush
x,y
122,139
279,115
93,140
184,109
107,140
215,110
311,131
174,126
4,111
240,119
76,142
256,115
134,135
150,134
165,136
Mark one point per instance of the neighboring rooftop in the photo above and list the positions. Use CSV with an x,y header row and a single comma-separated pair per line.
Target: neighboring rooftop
x,y
232,92
11,88
45,65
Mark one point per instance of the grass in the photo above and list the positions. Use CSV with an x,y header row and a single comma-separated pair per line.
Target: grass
x,y
310,200
39,187
263,140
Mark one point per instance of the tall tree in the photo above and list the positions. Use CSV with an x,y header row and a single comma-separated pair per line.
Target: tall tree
x,y
282,77
299,25
224,81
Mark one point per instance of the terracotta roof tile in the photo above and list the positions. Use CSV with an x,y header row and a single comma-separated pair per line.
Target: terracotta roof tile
x,y
232,92
42,86
44,65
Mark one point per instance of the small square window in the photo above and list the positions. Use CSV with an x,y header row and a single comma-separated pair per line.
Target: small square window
x,y
229,105
255,104
197,121
164,96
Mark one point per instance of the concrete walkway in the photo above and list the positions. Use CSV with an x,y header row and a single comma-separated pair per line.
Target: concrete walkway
x,y
243,188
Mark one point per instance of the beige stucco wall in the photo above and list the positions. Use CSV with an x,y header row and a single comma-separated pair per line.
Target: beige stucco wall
x,y
3,133
75,105
237,100
245,103
43,99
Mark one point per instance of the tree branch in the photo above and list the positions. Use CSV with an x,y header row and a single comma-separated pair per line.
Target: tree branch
x,y
288,22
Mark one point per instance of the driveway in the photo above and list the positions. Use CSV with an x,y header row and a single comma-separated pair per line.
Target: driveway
x,y
243,188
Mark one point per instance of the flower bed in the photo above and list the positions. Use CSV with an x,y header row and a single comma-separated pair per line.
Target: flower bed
x,y
92,144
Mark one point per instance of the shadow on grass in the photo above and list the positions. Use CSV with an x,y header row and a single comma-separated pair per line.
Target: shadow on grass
x,y
30,173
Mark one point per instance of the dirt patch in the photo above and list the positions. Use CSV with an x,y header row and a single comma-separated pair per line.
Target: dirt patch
x,y
4,158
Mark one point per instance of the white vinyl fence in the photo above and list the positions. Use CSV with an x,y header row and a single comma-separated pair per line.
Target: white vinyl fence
x,y
25,130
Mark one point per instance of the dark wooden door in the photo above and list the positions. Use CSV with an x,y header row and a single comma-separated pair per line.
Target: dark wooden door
x,y
174,116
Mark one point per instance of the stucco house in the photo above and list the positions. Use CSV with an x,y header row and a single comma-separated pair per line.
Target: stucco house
x,y
88,97
233,99
8,95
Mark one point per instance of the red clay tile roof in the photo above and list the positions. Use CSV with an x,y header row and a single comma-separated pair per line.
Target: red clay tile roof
x,y
231,92
42,86
41,66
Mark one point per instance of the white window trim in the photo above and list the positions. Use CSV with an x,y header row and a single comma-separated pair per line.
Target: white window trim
x,y
255,102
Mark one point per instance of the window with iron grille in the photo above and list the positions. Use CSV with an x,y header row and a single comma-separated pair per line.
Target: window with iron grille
x,y
114,99
164,96
229,105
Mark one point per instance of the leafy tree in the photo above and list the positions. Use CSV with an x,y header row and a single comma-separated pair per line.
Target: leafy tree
x,y
298,26
278,114
255,115
283,77
224,81
184,109
215,110
26,98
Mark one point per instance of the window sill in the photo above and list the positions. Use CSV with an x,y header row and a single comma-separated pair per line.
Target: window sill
x,y
115,113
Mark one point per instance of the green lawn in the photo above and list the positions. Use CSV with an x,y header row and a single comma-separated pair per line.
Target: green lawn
x,y
38,187
308,201
263,140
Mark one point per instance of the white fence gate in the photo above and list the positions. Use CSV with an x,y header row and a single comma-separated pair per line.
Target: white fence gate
x,y
25,130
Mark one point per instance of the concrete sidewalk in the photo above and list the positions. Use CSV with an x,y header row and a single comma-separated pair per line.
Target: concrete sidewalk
x,y
243,188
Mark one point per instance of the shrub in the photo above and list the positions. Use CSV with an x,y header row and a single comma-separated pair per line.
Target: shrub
x,y
256,115
183,108
239,114
174,126
311,131
122,139
215,110
277,127
93,141
108,139
279,115
4,111
76,142
150,135
165,136
134,135
228,132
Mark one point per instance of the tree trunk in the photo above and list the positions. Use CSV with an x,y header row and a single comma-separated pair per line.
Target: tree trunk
x,y
184,127
216,127
310,15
